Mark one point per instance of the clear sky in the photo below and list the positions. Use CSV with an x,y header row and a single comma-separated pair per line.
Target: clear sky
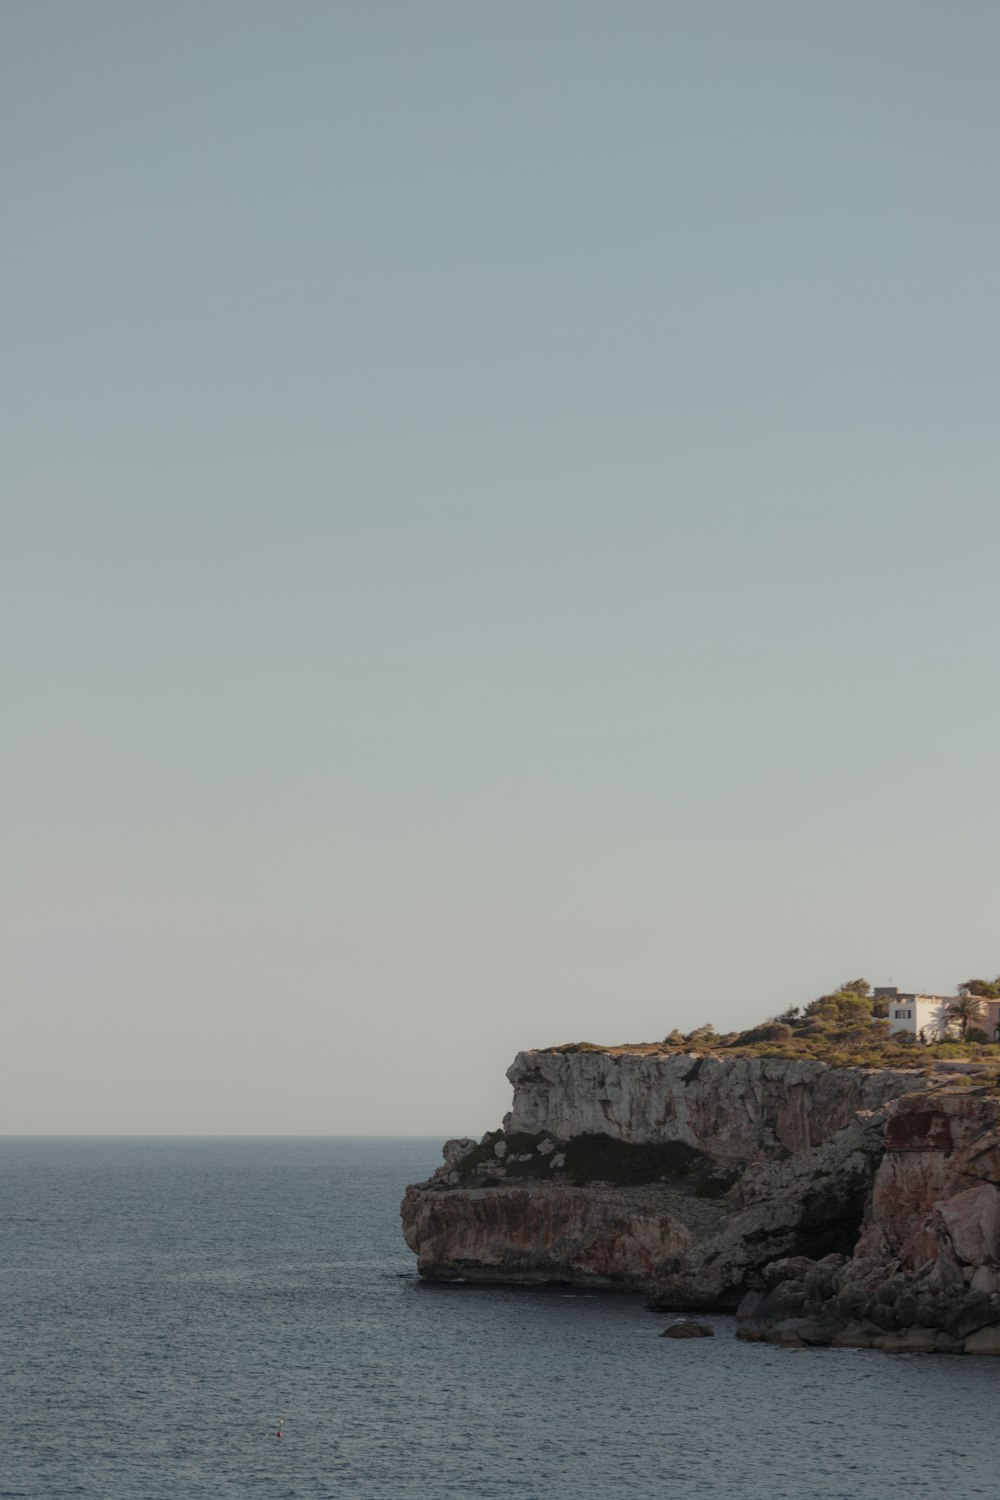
x,y
500,538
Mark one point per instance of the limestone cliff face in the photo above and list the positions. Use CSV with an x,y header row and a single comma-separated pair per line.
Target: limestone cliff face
x,y
682,1174
736,1109
924,1275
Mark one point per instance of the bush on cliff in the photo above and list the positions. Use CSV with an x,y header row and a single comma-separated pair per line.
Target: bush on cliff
x,y
703,1036
771,1031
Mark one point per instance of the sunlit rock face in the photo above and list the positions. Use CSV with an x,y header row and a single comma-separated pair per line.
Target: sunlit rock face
x,y
737,1109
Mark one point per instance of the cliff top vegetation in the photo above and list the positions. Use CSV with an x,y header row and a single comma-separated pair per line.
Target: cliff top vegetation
x,y
846,1028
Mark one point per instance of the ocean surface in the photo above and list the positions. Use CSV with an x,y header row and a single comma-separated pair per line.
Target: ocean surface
x,y
166,1301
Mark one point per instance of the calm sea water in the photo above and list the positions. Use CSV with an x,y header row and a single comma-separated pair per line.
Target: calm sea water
x,y
165,1301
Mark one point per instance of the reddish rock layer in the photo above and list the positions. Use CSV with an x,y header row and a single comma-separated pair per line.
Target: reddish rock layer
x,y
542,1231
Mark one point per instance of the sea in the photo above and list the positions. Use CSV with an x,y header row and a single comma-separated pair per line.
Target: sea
x,y
168,1303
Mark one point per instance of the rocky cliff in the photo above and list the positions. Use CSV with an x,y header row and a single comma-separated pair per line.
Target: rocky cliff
x,y
924,1274
847,1206
680,1174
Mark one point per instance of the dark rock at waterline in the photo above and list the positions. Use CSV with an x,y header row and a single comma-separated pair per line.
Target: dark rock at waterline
x,y
688,1330
925,1274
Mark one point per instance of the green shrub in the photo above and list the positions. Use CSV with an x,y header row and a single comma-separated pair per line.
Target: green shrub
x,y
702,1036
771,1031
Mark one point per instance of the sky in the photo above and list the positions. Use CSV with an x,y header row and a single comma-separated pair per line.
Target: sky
x,y
499,539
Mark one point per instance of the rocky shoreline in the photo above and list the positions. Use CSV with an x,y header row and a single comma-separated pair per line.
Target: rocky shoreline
x,y
924,1274
841,1206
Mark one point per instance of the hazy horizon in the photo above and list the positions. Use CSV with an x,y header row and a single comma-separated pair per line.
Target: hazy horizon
x,y
247,1135
498,542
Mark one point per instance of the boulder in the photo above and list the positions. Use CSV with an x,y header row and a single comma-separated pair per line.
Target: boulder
x,y
972,1220
454,1151
788,1271
787,1300
752,1306
941,1275
973,1312
985,1279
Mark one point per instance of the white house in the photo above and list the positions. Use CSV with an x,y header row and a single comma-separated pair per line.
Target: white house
x,y
915,1012
928,1014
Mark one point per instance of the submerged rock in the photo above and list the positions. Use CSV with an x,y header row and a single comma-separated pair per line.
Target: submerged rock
x,y
688,1330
